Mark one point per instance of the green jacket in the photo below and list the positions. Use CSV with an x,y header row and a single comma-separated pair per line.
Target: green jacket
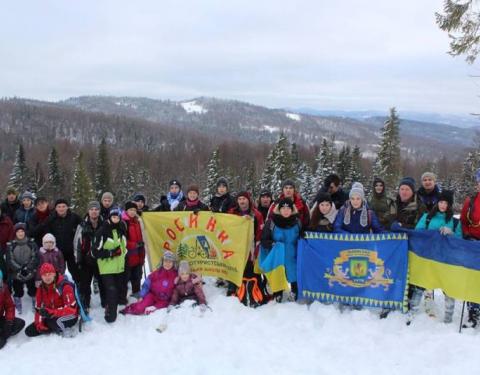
x,y
383,207
108,244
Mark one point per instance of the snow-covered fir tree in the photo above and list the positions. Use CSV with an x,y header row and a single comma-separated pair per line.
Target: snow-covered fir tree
x,y
20,177
282,164
102,170
467,183
325,163
82,189
54,175
306,181
344,165
267,176
388,160
251,183
126,182
38,180
296,163
213,174
356,172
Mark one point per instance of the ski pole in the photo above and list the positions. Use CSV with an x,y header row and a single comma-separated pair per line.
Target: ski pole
x,y
461,318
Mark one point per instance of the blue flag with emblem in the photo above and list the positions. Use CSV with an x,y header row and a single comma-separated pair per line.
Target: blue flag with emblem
x,y
355,269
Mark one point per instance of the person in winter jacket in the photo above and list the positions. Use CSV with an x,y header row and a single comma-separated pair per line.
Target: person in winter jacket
x,y
285,227
264,202
429,192
157,290
6,232
333,186
407,208
188,286
135,250
140,201
106,203
39,217
22,261
84,242
192,203
380,203
222,201
323,214
288,191
63,223
56,309
9,324
49,253
25,212
11,204
170,201
110,251
355,216
470,219
439,218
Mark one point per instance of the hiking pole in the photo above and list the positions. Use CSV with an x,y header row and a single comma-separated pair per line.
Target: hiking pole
x,y
461,318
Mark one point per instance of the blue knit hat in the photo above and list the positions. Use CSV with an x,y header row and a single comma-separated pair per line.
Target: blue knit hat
x,y
409,181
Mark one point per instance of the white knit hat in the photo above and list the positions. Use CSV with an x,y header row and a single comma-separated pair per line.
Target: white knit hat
x,y
49,238
357,188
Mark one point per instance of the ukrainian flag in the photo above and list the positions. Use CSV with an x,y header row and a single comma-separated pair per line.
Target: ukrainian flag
x,y
272,264
445,262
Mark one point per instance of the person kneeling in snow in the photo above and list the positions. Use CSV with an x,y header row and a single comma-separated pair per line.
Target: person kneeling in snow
x,y
157,289
188,286
56,309
9,324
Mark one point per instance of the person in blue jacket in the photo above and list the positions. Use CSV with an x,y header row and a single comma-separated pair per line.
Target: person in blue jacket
x,y
355,216
439,218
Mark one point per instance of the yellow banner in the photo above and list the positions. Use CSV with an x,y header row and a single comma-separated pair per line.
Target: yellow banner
x,y
214,244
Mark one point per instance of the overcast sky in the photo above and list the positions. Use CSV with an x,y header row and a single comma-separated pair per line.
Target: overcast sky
x,y
321,54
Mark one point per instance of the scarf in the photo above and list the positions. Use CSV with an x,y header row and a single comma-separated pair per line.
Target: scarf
x,y
174,199
348,214
192,203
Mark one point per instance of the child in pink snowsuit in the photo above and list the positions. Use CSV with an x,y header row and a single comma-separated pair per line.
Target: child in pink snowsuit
x,y
157,289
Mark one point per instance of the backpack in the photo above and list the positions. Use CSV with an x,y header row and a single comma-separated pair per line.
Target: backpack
x,y
250,292
84,317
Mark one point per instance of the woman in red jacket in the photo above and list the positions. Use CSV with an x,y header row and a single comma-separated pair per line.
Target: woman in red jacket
x,y
9,324
56,309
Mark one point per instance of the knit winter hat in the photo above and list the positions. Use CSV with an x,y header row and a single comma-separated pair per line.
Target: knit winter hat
x,y
285,202
175,182
446,195
115,211
431,175
193,188
266,193
47,268
378,180
409,181
49,238
61,201
477,175
324,197
222,181
93,204
244,194
168,255
20,226
28,195
41,199
183,267
129,205
11,191
107,195
357,188
288,182
139,197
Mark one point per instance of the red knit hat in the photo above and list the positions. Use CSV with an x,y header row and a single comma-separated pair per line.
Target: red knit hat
x,y
47,268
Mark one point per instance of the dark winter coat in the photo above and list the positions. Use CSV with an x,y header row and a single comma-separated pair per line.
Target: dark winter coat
x,y
264,212
3,267
190,289
184,206
406,214
339,198
7,306
105,212
63,228
23,215
222,203
302,209
36,229
84,241
135,244
6,232
354,226
429,199
111,248
54,257
383,207
9,209
22,259
164,206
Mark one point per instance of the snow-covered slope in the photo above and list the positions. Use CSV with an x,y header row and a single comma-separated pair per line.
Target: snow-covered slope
x,y
285,338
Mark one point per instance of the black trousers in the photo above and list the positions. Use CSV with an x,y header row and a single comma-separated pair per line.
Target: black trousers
x,y
134,276
56,325
18,288
87,270
113,284
71,265
15,327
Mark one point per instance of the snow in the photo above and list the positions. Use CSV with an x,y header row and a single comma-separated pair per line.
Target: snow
x,y
271,129
193,107
126,104
294,116
286,338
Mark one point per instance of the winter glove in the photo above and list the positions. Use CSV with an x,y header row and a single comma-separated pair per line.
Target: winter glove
x,y
140,244
117,252
38,283
267,245
42,311
446,231
150,309
196,211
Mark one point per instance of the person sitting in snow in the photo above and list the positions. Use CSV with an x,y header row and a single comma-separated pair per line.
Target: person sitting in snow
x,y
157,290
9,324
188,286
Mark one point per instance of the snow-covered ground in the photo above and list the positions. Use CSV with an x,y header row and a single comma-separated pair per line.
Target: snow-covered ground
x,y
193,107
294,116
285,338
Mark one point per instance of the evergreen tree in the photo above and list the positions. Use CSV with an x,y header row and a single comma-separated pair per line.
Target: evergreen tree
x,y
296,163
213,174
82,190
344,166
54,176
126,182
267,176
467,184
356,173
251,180
387,164
102,170
282,164
325,163
38,180
20,178
307,186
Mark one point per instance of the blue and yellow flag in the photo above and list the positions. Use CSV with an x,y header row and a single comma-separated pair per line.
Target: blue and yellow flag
x,y
214,244
272,264
445,262
356,269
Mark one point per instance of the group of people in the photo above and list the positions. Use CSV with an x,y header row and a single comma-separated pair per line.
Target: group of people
x,y
107,247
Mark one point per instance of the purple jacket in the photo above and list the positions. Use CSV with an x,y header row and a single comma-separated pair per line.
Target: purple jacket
x,y
190,289
54,257
160,283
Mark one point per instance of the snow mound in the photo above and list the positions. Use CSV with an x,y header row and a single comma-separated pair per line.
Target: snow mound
x,y
193,107
271,129
294,116
286,338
